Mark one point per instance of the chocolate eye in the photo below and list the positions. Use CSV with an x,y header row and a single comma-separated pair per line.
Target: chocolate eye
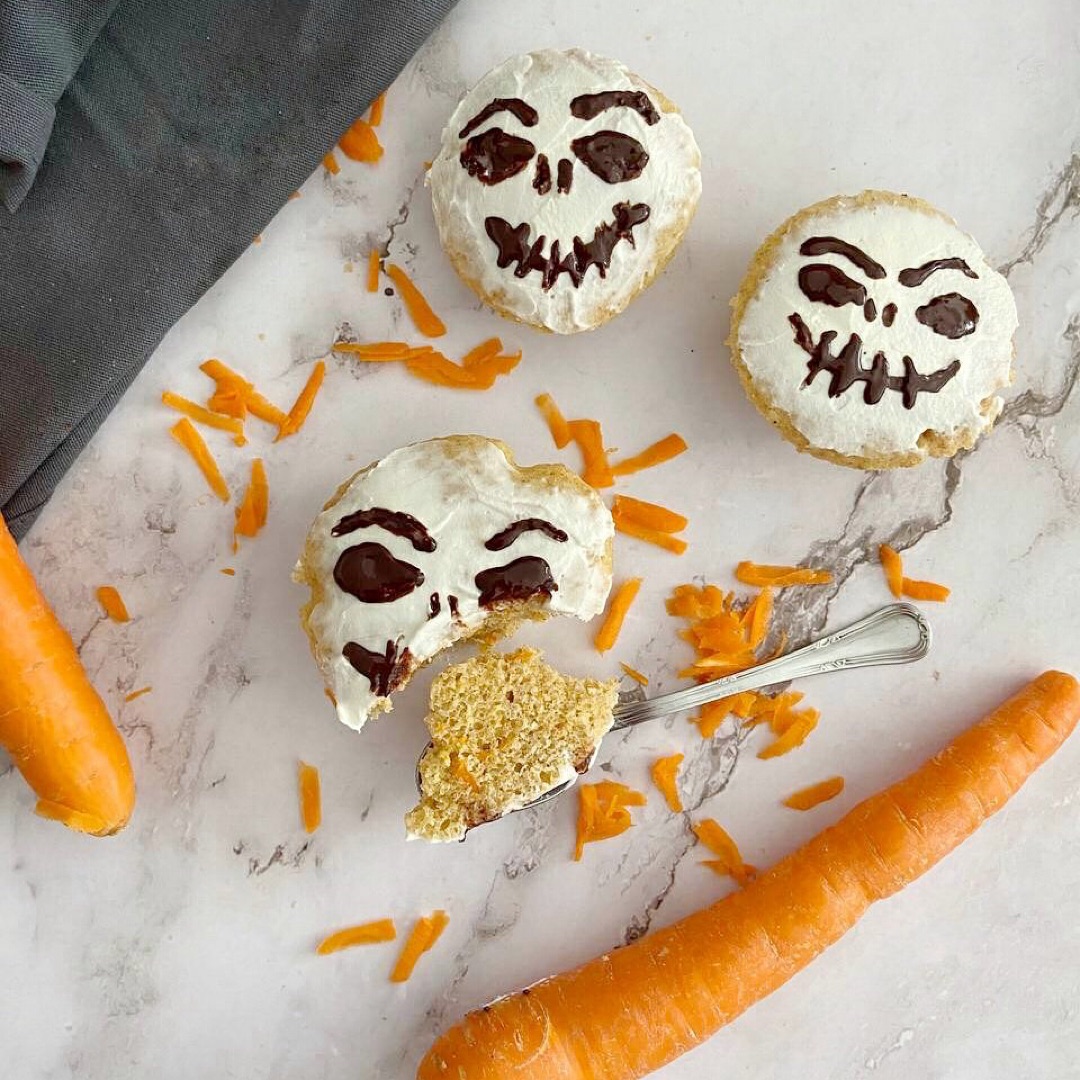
x,y
371,574
951,315
518,580
494,156
827,284
610,155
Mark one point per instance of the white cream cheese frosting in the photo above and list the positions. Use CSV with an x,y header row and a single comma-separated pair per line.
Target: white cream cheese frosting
x,y
549,146
417,580
952,324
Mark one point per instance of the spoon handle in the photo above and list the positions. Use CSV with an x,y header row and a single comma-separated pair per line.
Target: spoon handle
x,y
897,634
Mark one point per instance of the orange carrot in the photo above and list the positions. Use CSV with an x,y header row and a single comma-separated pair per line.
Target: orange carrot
x,y
377,107
228,571
661,539
759,612
52,722
590,440
373,271
716,712
728,861
484,371
310,797
205,416
556,422
361,143
795,733
603,813
750,573
925,590
425,933
235,396
294,421
648,515
808,797
893,566
112,603
427,322
330,164
435,368
484,351
664,772
668,447
634,674
371,933
620,603
252,512
636,1009
137,693
183,431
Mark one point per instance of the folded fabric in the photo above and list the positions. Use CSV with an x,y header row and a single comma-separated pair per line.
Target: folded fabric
x,y
184,130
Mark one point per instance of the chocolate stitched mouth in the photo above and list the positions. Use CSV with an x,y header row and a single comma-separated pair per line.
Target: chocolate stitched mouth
x,y
513,247
846,368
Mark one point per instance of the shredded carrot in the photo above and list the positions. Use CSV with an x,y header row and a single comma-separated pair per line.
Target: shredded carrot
x,y
302,406
137,693
603,813
484,351
377,107
251,513
620,603
668,447
556,422
893,566
310,797
648,515
235,396
427,322
664,772
204,416
925,590
729,860
371,933
634,674
486,370
183,431
716,712
802,723
330,163
380,350
113,603
436,368
590,439
228,571
661,539
759,612
360,142
750,573
808,797
373,266
425,933
459,769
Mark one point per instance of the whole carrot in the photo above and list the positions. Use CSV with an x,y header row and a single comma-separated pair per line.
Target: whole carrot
x,y
638,1008
52,722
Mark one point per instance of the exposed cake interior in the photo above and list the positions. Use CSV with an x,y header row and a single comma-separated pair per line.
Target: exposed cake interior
x,y
505,728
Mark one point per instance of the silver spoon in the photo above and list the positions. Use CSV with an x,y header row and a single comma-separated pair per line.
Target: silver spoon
x,y
896,634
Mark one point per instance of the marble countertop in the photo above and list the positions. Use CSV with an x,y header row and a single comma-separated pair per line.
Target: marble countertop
x,y
184,947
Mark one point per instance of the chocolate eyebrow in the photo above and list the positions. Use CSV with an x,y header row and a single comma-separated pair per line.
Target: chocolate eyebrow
x,y
393,521
508,535
918,274
521,109
587,106
831,245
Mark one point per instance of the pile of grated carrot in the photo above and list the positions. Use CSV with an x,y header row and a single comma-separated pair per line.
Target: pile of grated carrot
x,y
603,812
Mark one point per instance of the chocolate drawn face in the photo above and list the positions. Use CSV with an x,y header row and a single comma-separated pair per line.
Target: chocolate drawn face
x,y
850,280
370,573
493,156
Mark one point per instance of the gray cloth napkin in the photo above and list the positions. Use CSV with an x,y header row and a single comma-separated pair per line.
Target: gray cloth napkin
x,y
179,130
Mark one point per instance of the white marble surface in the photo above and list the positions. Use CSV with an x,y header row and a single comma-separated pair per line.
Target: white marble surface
x,y
184,946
